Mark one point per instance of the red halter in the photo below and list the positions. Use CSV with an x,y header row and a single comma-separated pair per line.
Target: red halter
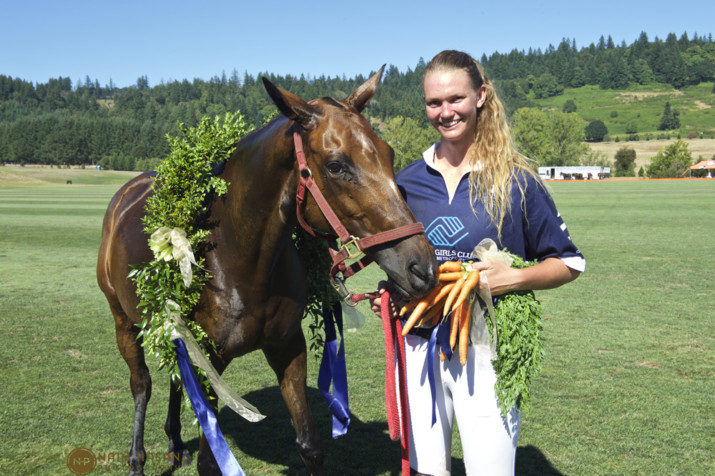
x,y
351,246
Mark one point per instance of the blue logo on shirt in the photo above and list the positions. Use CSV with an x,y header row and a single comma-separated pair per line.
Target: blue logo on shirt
x,y
445,231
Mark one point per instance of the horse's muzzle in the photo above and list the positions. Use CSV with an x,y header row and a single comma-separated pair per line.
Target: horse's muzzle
x,y
410,266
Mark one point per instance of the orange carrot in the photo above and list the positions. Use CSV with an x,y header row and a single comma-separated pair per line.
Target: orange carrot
x,y
430,316
453,295
469,284
464,336
444,290
408,306
420,308
450,266
449,276
454,328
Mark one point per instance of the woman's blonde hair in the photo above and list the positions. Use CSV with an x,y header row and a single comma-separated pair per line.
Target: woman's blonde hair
x,y
493,157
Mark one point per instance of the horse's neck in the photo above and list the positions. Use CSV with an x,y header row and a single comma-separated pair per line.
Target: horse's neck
x,y
252,219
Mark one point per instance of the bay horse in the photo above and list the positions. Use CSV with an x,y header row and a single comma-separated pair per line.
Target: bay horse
x,y
257,293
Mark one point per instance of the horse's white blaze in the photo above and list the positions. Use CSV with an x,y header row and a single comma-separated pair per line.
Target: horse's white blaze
x,y
331,141
393,186
368,148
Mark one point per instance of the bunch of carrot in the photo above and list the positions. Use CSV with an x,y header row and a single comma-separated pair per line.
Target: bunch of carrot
x,y
451,295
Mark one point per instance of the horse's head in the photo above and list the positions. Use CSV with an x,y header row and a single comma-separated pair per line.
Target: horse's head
x,y
352,167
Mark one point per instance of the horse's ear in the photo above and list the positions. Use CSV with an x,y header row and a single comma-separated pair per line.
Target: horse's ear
x,y
362,95
290,105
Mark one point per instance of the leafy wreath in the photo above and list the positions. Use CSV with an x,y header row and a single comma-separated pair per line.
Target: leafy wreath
x,y
181,192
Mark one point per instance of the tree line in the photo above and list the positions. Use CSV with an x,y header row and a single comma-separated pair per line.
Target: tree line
x,y
86,123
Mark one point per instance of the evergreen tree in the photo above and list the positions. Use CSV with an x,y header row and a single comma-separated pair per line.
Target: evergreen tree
x,y
579,77
642,74
670,118
546,86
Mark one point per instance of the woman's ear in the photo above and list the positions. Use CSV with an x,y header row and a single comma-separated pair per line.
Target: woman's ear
x,y
481,95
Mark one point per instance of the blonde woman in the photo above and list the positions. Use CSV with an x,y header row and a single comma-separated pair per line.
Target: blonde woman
x,y
471,185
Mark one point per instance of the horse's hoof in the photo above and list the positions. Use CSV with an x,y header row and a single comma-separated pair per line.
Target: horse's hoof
x,y
136,473
179,459
208,468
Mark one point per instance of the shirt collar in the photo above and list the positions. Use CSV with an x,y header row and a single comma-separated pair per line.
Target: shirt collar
x,y
428,157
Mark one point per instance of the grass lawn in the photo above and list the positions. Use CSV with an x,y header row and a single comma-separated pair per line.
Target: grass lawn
x,y
627,383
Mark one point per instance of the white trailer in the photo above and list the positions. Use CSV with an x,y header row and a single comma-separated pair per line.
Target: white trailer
x,y
577,172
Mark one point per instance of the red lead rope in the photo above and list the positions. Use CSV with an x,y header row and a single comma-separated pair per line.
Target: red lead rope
x,y
399,424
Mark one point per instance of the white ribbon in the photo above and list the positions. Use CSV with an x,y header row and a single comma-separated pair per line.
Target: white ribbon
x,y
487,250
197,357
167,244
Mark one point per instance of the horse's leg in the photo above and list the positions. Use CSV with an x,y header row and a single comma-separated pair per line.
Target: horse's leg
x,y
178,454
288,361
140,383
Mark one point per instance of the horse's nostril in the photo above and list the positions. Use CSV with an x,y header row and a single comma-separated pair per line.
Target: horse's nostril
x,y
418,272
422,276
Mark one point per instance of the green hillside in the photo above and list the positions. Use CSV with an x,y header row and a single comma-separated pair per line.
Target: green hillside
x,y
642,105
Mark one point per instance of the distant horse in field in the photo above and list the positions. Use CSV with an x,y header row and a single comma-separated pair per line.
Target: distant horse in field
x,y
257,293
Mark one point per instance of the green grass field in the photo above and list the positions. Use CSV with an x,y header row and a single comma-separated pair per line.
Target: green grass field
x,y
626,388
642,105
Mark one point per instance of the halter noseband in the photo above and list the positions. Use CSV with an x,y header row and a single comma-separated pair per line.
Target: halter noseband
x,y
351,247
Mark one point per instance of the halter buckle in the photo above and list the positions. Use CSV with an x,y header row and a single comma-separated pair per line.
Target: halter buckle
x,y
352,247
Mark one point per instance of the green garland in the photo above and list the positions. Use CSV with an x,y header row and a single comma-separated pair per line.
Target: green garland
x,y
313,254
184,182
519,347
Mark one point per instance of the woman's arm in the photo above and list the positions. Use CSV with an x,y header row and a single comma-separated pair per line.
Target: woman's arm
x,y
550,273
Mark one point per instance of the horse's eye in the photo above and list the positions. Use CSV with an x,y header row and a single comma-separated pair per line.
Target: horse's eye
x,y
334,168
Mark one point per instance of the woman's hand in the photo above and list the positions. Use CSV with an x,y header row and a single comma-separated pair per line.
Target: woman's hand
x,y
376,303
500,278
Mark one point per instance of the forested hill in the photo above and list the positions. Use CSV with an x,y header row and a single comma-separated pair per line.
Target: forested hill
x,y
61,123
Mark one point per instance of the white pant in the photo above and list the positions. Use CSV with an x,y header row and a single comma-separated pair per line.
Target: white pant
x,y
488,439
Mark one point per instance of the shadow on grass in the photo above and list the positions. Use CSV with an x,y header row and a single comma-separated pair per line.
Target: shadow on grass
x,y
530,460
366,449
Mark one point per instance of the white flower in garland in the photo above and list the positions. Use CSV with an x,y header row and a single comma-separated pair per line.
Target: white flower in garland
x,y
167,244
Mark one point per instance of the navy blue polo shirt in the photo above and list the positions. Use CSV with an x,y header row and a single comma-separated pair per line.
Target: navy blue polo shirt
x,y
535,232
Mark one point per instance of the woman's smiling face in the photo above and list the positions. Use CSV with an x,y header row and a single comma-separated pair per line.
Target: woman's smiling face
x,y
451,103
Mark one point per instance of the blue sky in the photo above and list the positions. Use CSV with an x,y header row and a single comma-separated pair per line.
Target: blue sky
x,y
178,39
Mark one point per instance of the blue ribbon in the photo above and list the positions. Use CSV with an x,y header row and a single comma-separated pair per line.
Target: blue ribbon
x,y
332,368
431,348
443,336
439,336
225,459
